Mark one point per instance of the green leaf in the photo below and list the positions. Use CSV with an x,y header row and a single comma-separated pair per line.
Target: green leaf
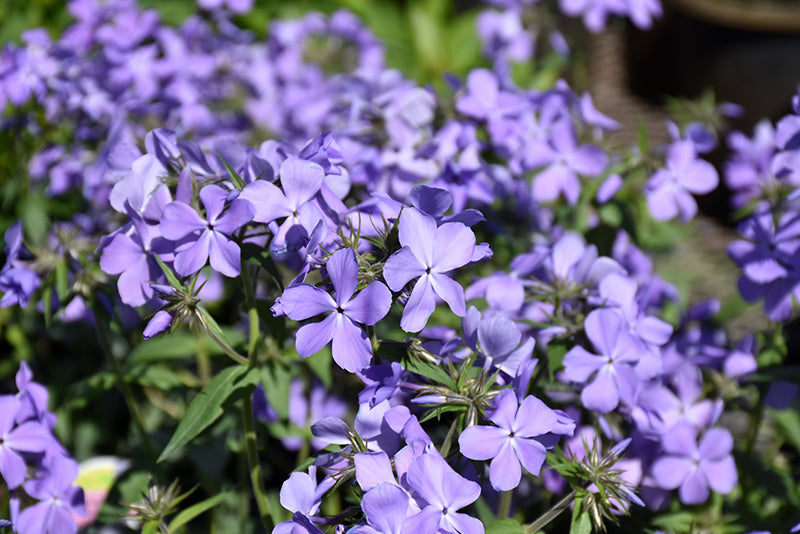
x,y
581,522
237,180
62,280
179,345
555,356
159,376
276,379
464,49
34,217
151,527
195,510
224,389
429,370
505,526
212,325
442,408
171,277
610,214
789,422
679,521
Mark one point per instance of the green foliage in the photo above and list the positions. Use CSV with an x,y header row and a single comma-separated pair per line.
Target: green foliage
x,y
505,526
225,389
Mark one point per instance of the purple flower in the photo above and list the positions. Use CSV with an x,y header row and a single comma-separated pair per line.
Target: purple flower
x,y
614,369
513,441
351,347
301,493
694,468
565,160
428,253
440,492
15,439
668,190
207,239
17,285
58,499
483,98
503,37
770,264
130,255
498,339
385,507
301,181
236,6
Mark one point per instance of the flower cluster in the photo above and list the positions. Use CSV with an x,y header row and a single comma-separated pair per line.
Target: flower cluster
x,y
46,501
763,172
470,256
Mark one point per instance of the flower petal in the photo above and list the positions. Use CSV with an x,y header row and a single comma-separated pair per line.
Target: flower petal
x,y
351,349
481,442
224,254
239,213
419,307
402,267
671,471
417,231
312,337
342,269
534,418
304,301
450,291
386,507
370,305
179,220
454,245
193,255
505,471
372,469
531,454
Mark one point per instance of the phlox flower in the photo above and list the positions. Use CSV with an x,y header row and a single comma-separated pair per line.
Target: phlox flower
x,y
669,190
351,347
440,493
693,467
614,369
429,252
58,499
565,160
207,239
31,436
513,441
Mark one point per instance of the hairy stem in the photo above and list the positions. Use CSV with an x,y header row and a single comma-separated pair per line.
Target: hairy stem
x,y
551,514
505,504
255,468
226,348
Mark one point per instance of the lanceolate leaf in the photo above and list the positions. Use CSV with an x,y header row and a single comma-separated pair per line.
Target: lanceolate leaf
x,y
195,510
224,389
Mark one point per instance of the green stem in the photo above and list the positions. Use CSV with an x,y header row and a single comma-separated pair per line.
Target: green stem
x,y
505,504
203,361
227,349
448,440
255,468
125,389
247,406
551,514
